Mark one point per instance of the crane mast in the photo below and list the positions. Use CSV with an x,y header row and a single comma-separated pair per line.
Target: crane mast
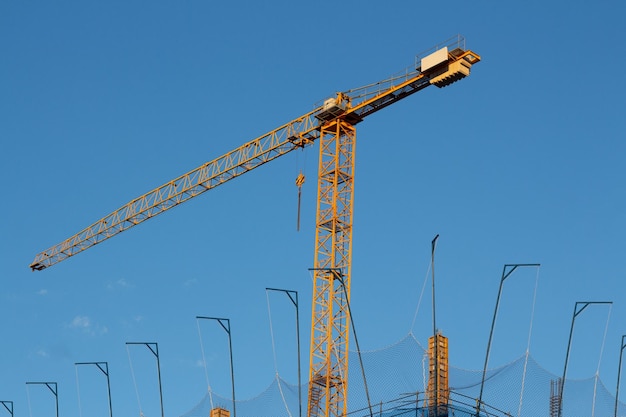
x,y
333,124
331,275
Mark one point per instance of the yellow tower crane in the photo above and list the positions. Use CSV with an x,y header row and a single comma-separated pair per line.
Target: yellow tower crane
x,y
333,125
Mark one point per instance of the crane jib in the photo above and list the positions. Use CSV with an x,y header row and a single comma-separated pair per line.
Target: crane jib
x,y
352,107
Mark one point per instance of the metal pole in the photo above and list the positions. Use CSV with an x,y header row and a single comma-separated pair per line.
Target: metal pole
x,y
433,245
8,405
356,340
619,368
155,352
54,391
293,296
299,368
505,275
226,327
105,371
337,273
584,304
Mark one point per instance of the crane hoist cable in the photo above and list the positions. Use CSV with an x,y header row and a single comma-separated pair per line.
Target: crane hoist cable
x,y
299,182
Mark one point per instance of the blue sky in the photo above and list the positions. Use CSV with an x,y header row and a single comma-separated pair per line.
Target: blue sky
x,y
522,162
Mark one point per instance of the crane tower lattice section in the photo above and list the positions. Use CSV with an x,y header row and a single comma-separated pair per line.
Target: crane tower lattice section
x,y
329,332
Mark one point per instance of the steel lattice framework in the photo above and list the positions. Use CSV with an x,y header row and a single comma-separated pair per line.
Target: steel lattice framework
x,y
293,135
333,123
331,275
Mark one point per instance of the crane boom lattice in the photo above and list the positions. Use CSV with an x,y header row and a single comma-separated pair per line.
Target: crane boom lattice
x,y
333,124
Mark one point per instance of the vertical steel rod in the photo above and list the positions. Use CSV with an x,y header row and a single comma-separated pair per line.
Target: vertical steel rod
x,y
109,391
569,343
433,245
505,275
293,296
54,391
337,274
155,352
226,328
105,371
8,405
299,367
356,340
619,369
584,304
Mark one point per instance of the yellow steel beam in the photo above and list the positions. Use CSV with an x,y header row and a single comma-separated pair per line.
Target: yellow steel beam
x,y
328,373
293,135
357,104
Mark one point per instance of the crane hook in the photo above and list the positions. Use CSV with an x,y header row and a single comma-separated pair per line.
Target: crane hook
x,y
299,181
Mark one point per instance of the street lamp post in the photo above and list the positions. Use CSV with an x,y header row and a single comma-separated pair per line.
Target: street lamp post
x,y
104,367
225,323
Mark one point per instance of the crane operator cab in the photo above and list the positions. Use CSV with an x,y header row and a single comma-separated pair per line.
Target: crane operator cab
x,y
333,107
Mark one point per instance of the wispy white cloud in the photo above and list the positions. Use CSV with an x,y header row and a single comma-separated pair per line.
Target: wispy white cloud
x,y
133,321
43,353
80,322
119,284
42,291
85,324
190,282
